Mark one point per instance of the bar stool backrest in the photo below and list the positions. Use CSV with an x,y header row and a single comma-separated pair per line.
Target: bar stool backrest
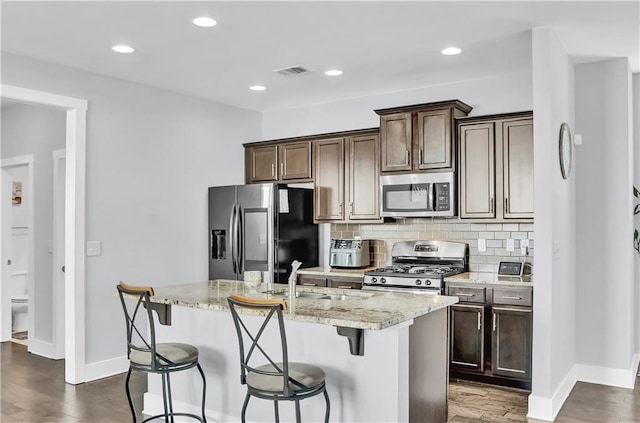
x,y
269,309
138,317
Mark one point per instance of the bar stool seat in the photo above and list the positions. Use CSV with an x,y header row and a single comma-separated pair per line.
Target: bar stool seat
x,y
146,355
310,378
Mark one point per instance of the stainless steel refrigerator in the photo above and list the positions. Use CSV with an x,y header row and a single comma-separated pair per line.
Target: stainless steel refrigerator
x,y
260,227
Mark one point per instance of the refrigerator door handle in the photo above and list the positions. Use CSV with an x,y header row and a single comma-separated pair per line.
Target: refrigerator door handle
x,y
232,237
240,240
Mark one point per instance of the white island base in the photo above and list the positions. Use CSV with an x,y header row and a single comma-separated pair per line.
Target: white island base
x,y
402,376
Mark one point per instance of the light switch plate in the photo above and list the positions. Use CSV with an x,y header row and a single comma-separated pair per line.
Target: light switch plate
x,y
510,244
482,244
94,248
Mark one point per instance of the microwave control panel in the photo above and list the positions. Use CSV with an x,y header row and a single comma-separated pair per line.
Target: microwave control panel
x,y
443,200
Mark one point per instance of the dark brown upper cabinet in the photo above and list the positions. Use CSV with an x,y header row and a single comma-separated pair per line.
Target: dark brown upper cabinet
x,y
496,166
419,138
278,162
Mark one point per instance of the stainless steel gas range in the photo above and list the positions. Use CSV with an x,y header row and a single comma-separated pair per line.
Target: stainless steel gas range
x,y
419,267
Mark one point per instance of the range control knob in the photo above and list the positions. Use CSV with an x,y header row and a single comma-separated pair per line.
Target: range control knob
x,y
427,282
418,282
383,280
374,280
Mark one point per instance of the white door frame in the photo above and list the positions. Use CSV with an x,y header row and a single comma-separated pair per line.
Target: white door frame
x,y
75,236
5,319
57,276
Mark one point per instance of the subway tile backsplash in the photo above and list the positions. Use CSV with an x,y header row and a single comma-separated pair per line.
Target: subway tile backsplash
x,y
383,236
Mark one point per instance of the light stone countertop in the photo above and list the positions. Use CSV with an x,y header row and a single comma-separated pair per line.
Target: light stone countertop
x,y
491,278
330,271
360,310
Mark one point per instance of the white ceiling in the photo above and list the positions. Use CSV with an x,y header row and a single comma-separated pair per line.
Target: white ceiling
x,y
380,46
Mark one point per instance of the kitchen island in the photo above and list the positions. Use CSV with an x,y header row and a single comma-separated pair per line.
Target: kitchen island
x,y
391,367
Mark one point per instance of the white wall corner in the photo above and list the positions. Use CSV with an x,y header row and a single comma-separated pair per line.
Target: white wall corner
x,y
153,405
106,368
547,409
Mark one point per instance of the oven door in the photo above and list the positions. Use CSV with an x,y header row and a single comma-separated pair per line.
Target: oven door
x,y
417,195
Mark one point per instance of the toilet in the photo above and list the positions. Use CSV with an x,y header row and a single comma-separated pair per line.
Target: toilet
x,y
19,304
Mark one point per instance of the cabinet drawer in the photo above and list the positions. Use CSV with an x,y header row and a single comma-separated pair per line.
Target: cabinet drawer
x,y
345,283
305,280
468,294
513,296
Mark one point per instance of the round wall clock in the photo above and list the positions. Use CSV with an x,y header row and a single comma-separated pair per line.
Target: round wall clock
x,y
565,146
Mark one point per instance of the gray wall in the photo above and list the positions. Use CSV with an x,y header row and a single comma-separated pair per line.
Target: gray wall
x,y
604,293
38,131
151,154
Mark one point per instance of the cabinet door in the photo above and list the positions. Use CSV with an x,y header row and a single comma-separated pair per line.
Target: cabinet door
x,y
467,339
344,283
295,161
307,280
329,179
511,342
517,156
433,143
395,142
363,177
477,170
261,163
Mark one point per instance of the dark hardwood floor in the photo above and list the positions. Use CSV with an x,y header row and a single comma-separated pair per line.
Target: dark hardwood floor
x,y
32,389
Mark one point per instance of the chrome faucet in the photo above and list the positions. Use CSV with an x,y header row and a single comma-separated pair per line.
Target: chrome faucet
x,y
292,279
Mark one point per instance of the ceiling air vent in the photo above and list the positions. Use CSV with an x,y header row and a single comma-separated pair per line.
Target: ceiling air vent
x,y
291,71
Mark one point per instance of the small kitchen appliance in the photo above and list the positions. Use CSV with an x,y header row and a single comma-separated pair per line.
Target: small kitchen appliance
x,y
349,253
418,195
419,267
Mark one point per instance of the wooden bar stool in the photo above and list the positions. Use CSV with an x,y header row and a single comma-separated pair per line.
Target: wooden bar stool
x,y
275,381
146,355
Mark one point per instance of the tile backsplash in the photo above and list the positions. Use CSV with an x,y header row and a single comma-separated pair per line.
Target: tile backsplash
x,y
383,236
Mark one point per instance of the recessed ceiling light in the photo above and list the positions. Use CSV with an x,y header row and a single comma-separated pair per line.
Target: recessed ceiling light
x,y
333,72
204,22
451,51
121,48
257,88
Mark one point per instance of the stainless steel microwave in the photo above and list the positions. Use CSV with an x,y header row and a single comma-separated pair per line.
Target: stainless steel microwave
x,y
418,195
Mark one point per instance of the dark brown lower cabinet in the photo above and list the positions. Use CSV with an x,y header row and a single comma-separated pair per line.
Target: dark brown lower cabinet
x,y
490,336
342,282
467,337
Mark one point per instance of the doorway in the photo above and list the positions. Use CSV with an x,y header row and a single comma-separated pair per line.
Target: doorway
x,y
74,228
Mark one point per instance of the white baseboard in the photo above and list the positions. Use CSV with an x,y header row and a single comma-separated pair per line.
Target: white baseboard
x,y
153,405
543,408
548,408
106,368
621,378
41,348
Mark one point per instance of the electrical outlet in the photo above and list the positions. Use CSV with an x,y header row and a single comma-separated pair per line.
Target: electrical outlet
x,y
482,244
510,244
524,242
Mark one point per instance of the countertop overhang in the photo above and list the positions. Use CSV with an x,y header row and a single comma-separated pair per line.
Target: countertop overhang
x,y
370,310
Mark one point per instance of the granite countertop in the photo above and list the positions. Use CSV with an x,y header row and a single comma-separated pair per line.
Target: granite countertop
x,y
360,309
491,278
330,271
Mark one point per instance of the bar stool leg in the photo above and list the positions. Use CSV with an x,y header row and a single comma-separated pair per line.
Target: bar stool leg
x,y
126,384
298,419
276,411
164,399
328,409
244,407
169,396
204,392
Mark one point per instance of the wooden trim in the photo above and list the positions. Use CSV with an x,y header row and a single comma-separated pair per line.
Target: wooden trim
x,y
340,134
258,301
137,289
426,106
499,116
